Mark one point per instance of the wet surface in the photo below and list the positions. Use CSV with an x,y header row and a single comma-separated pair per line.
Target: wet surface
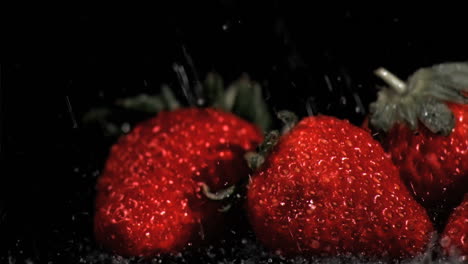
x,y
308,59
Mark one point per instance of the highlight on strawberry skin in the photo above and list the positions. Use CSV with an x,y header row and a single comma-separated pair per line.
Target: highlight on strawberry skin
x,y
327,188
150,197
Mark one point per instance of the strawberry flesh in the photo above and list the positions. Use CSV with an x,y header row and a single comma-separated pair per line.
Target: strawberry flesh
x,y
454,239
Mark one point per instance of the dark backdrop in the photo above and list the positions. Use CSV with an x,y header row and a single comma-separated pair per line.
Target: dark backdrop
x,y
60,63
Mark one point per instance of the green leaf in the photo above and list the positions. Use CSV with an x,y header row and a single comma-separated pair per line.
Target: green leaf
x,y
229,98
144,103
96,115
426,93
213,89
437,117
247,101
101,117
243,97
168,97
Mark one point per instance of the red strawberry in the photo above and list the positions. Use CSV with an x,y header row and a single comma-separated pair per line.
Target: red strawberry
x,y
149,197
328,188
427,124
454,239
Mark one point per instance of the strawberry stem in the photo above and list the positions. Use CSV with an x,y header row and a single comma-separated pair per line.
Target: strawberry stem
x,y
219,195
289,120
393,81
225,208
256,159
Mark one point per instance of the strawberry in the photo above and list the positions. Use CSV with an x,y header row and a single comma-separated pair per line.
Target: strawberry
x,y
426,120
454,239
154,193
328,188
150,193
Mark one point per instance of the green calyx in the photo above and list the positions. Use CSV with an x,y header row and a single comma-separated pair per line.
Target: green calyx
x,y
243,97
256,159
422,98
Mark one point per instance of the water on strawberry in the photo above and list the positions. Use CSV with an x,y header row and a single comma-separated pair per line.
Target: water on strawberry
x,y
330,87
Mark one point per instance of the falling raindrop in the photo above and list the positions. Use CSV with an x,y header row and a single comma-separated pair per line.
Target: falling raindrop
x,y
328,83
343,100
311,106
360,109
125,127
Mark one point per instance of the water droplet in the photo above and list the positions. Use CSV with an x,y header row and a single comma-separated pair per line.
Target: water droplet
x,y
125,127
343,100
156,129
375,198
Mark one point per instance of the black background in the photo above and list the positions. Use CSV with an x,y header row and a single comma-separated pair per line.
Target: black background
x,y
89,57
